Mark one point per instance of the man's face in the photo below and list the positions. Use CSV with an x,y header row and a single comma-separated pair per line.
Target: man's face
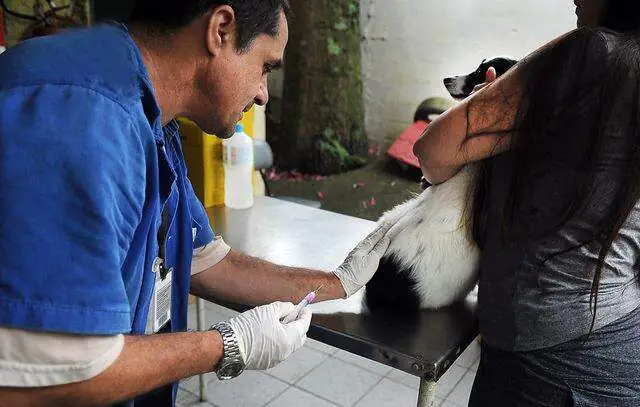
x,y
232,82
589,12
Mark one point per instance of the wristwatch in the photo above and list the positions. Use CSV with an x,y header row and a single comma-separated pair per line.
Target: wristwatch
x,y
231,364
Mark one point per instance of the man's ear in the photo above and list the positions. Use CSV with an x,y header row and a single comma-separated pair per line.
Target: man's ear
x,y
221,29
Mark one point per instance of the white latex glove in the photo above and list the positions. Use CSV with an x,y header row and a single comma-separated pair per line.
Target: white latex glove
x,y
264,341
363,261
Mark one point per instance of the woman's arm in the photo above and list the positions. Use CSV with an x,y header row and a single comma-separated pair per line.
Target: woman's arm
x,y
477,128
484,124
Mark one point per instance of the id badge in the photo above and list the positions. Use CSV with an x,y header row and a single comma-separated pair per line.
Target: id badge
x,y
161,299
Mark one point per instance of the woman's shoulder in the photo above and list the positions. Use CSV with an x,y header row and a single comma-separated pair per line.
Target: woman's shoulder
x,y
571,58
593,39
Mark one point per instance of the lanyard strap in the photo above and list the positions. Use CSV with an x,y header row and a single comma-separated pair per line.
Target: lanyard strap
x,y
162,237
164,224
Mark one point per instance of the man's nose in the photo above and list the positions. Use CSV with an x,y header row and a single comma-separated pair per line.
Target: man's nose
x,y
263,95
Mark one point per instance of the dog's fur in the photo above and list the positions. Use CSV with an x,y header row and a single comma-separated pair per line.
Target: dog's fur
x,y
432,260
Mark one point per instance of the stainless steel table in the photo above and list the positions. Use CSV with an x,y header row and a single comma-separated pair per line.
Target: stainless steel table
x,y
424,345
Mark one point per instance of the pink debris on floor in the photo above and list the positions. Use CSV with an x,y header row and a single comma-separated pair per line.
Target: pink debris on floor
x,y
274,175
374,150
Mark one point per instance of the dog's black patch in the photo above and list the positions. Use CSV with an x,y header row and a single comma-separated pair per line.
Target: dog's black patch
x,y
391,288
424,184
477,77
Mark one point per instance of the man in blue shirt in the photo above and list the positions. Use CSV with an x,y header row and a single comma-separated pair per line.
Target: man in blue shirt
x,y
102,235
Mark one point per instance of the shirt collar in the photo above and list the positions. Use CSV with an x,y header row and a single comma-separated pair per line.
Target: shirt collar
x,y
171,129
148,96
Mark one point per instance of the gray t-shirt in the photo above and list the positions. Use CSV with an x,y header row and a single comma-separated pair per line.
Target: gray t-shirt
x,y
535,293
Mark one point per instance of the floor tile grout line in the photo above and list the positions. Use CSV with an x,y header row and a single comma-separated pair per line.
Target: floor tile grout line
x,y
278,395
454,387
310,392
404,385
306,374
455,404
368,391
197,396
400,383
317,367
457,383
398,380
322,397
277,378
364,368
327,357
345,362
472,363
323,352
316,395
365,394
289,385
273,377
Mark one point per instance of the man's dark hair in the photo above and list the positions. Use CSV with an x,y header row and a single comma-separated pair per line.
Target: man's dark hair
x,y
254,17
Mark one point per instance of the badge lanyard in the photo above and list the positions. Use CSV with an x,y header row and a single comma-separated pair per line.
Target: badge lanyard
x,y
160,312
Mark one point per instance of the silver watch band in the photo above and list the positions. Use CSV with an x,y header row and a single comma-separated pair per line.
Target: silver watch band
x,y
231,348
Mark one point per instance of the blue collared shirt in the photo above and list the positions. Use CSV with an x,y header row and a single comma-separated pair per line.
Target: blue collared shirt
x,y
86,168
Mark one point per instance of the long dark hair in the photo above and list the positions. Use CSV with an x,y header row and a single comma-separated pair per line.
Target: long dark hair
x,y
621,15
586,86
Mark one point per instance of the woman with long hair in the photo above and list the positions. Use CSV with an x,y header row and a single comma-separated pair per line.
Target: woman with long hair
x,y
556,212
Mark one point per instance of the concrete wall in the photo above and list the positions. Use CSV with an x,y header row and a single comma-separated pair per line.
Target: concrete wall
x,y
410,45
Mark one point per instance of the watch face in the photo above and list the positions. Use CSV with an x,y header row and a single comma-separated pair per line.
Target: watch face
x,y
231,369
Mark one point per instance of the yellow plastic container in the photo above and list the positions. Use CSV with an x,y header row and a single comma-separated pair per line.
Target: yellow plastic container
x,y
203,155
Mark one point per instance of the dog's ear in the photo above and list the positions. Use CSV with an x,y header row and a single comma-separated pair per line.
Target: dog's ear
x,y
479,69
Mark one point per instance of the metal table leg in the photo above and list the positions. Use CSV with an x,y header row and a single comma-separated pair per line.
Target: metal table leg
x,y
200,315
427,394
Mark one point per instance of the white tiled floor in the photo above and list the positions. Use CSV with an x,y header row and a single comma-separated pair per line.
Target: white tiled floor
x,y
322,376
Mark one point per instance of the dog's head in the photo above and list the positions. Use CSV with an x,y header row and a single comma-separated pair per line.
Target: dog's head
x,y
461,86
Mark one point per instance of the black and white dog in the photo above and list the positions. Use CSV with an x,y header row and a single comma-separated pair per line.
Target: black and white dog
x,y
461,86
432,259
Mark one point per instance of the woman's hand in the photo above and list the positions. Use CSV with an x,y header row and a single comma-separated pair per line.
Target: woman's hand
x,y
489,77
477,128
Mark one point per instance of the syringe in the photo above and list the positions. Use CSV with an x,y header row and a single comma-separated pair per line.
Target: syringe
x,y
308,299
